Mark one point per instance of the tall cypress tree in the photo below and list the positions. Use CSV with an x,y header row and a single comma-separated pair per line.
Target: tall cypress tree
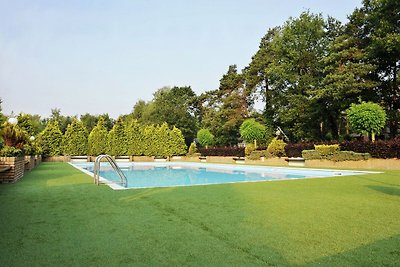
x,y
50,139
117,140
75,139
98,138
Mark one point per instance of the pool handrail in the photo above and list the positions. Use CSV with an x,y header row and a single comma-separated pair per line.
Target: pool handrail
x,y
116,168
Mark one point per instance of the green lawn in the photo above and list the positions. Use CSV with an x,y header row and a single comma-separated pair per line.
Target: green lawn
x,y
55,216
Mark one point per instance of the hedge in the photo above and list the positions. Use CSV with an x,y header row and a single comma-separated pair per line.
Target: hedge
x,y
378,149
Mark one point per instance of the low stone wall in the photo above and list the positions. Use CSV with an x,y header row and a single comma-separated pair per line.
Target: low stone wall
x,y
16,170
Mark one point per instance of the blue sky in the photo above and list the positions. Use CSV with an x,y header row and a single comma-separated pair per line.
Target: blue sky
x,y
103,56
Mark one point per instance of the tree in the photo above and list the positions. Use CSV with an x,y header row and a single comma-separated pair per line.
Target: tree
x,y
175,106
98,138
376,26
89,121
75,140
134,133
117,141
366,118
224,110
252,131
50,139
347,77
205,137
177,142
63,121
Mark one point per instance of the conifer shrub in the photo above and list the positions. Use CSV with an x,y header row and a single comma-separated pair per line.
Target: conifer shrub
x,y
177,145
135,136
98,139
117,140
276,148
50,139
75,141
192,149
249,149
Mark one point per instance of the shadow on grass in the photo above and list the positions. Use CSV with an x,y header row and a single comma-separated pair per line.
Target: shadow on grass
x,y
389,190
384,252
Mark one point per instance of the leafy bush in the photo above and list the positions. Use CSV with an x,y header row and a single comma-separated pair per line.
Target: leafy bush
x,y
252,131
249,149
327,150
336,156
223,151
256,154
349,155
10,151
366,118
276,148
205,137
192,149
14,136
311,154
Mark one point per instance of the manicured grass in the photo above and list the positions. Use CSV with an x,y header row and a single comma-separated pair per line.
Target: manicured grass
x,y
55,216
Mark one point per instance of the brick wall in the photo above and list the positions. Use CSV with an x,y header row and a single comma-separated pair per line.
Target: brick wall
x,y
16,171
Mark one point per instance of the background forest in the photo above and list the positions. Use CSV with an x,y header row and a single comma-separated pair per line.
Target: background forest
x,y
304,76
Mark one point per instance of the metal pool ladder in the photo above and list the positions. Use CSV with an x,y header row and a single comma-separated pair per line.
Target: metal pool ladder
x,y
96,170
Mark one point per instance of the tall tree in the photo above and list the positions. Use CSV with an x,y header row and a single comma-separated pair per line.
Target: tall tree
x,y
97,141
377,27
224,110
175,106
75,141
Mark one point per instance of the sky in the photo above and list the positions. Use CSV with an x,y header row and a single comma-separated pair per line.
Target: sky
x,y
103,56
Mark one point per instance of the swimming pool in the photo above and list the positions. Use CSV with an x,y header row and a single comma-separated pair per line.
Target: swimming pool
x,y
167,174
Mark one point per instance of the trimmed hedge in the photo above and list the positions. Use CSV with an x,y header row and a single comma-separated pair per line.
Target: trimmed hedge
x,y
378,149
222,151
336,156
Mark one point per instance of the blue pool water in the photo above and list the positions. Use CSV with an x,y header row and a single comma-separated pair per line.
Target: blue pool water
x,y
149,174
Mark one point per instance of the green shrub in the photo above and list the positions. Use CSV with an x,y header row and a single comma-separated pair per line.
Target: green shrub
x,y
327,150
10,151
337,156
192,149
177,142
97,141
205,137
349,155
134,133
276,148
249,148
75,139
117,141
311,154
256,155
50,139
